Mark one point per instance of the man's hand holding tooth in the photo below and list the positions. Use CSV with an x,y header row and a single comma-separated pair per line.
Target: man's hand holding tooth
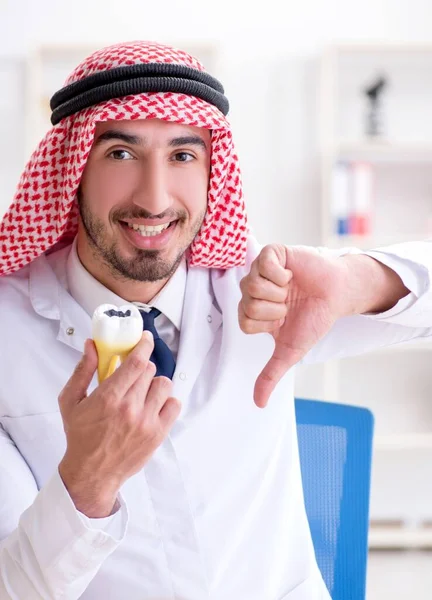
x,y
296,294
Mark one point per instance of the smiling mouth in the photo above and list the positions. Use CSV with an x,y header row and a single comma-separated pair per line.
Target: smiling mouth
x,y
148,230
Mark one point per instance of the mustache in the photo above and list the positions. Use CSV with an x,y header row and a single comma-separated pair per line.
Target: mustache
x,y
142,213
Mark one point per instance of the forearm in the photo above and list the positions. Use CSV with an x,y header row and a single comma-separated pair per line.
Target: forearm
x,y
91,496
51,554
371,287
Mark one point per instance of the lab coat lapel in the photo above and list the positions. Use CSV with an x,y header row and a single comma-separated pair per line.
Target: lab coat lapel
x,y
200,322
52,301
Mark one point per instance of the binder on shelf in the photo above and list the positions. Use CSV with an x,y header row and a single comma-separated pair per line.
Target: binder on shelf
x,y
362,176
340,197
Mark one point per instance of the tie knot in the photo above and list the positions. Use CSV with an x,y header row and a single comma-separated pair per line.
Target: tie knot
x,y
154,313
148,320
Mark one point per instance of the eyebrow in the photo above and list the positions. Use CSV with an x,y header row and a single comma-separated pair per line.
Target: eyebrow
x,y
188,140
135,140
112,134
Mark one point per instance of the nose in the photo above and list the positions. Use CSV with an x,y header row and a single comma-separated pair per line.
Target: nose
x,y
152,192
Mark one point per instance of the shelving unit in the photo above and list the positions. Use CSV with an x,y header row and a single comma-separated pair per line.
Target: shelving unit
x,y
385,152
407,441
12,82
367,242
400,537
48,66
400,161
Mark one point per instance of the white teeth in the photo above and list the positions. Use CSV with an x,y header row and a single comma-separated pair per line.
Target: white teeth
x,y
149,230
119,333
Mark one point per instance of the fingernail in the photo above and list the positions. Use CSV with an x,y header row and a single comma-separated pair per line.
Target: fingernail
x,y
85,348
148,335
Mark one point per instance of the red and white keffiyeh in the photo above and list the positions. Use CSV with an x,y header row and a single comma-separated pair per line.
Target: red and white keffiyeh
x,y
44,211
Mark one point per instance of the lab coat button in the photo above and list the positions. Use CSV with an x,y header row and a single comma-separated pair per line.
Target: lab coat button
x,y
182,376
209,318
70,330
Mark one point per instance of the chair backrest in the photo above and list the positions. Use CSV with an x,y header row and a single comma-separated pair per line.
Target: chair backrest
x,y
335,444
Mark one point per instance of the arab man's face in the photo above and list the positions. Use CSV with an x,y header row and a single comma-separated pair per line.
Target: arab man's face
x,y
143,195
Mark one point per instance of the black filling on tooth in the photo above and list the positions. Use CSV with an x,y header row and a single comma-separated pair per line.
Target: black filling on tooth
x,y
117,313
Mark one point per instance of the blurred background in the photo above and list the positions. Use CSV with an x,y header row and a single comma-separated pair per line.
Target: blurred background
x,y
331,112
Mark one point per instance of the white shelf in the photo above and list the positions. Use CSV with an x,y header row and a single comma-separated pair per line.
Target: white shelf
x,y
366,242
374,47
382,151
403,442
399,537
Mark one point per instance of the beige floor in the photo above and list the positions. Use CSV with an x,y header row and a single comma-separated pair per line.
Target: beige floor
x,y
399,576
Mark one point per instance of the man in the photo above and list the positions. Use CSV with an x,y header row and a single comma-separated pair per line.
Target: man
x,y
143,486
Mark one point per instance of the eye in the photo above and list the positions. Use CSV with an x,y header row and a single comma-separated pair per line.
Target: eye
x,y
183,157
121,155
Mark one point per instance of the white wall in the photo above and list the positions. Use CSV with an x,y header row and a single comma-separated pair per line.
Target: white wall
x,y
269,55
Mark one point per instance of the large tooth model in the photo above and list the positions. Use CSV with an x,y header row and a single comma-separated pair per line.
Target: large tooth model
x,y
116,331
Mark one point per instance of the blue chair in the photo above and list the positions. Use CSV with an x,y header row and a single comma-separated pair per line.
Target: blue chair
x,y
335,444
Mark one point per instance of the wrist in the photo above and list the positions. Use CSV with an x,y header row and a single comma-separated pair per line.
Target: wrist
x,y
371,287
93,498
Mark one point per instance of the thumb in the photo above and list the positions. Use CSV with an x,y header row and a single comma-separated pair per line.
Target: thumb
x,y
76,388
284,357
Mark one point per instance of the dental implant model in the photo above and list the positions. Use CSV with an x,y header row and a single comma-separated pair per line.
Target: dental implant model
x,y
116,331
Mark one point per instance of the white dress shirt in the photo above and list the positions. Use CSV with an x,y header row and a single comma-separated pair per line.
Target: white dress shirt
x,y
217,513
90,293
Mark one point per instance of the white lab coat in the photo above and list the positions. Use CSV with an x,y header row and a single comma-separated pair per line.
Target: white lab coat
x,y
218,512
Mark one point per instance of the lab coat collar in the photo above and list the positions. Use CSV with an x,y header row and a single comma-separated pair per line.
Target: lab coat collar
x,y
90,293
51,299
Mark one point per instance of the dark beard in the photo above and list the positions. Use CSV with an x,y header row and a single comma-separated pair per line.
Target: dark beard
x,y
146,265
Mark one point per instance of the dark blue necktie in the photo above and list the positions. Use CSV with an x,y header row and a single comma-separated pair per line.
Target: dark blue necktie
x,y
161,355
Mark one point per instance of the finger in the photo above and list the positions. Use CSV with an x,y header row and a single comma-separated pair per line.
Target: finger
x,y
169,413
261,310
132,367
160,390
76,387
138,391
284,357
252,326
267,267
270,268
262,289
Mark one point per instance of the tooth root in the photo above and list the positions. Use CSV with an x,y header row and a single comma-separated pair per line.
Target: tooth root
x,y
107,360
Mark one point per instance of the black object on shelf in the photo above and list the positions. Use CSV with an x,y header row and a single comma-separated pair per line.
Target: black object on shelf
x,y
374,123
